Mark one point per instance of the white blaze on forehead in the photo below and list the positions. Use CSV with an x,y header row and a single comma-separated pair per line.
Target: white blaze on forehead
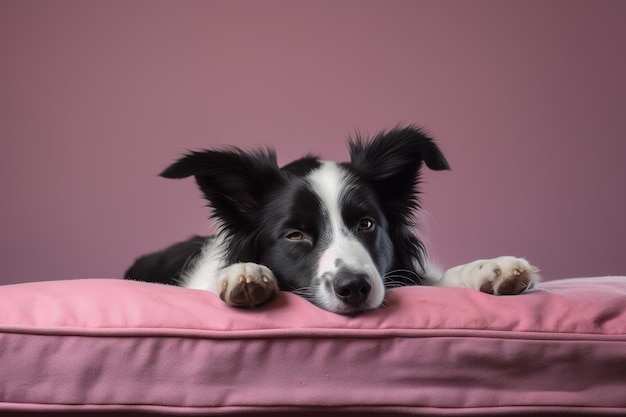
x,y
330,182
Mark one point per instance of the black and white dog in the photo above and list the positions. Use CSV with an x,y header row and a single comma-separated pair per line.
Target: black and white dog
x,y
337,234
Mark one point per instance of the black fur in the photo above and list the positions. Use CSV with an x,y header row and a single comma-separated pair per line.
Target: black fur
x,y
257,205
165,267
390,164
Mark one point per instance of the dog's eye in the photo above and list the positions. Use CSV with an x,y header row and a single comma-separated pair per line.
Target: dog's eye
x,y
366,224
297,236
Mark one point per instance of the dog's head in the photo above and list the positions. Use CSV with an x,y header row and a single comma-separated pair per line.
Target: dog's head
x,y
334,233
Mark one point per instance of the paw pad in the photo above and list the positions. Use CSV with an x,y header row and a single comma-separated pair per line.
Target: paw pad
x,y
248,285
509,276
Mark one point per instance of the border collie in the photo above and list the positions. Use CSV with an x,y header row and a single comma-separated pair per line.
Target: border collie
x,y
337,234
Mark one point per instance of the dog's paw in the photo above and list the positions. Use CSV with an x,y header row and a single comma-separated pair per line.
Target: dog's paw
x,y
247,284
505,275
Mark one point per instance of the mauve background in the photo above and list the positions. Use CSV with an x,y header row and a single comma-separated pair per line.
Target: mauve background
x,y
526,98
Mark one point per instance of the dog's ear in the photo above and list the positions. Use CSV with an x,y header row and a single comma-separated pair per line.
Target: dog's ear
x,y
233,181
396,152
391,163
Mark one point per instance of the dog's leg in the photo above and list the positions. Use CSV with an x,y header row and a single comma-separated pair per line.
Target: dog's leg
x,y
505,275
244,284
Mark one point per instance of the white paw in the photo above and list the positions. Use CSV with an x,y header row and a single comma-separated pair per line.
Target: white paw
x,y
247,284
505,275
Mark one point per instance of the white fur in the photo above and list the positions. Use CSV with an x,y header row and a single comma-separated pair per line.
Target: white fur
x,y
329,182
489,272
204,274
210,273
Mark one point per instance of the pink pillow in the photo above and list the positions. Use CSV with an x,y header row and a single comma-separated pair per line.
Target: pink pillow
x,y
108,345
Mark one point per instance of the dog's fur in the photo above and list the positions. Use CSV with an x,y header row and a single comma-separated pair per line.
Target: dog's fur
x,y
337,234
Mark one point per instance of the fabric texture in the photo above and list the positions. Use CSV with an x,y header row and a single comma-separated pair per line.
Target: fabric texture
x,y
108,345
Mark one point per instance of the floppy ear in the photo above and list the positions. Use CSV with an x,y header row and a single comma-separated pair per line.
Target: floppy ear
x,y
391,163
234,182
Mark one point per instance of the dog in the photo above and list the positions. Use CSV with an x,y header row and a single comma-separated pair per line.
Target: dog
x,y
337,234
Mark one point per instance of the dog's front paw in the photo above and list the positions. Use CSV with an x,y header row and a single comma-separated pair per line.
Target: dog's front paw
x,y
247,285
505,275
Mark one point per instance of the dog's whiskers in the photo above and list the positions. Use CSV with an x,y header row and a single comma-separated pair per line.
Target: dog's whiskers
x,y
306,292
401,278
384,305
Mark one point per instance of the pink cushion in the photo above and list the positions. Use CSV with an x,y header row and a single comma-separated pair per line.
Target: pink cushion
x,y
107,345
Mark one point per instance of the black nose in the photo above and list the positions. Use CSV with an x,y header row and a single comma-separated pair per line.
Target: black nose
x,y
351,288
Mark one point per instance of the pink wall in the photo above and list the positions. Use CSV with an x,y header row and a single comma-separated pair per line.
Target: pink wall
x,y
527,99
